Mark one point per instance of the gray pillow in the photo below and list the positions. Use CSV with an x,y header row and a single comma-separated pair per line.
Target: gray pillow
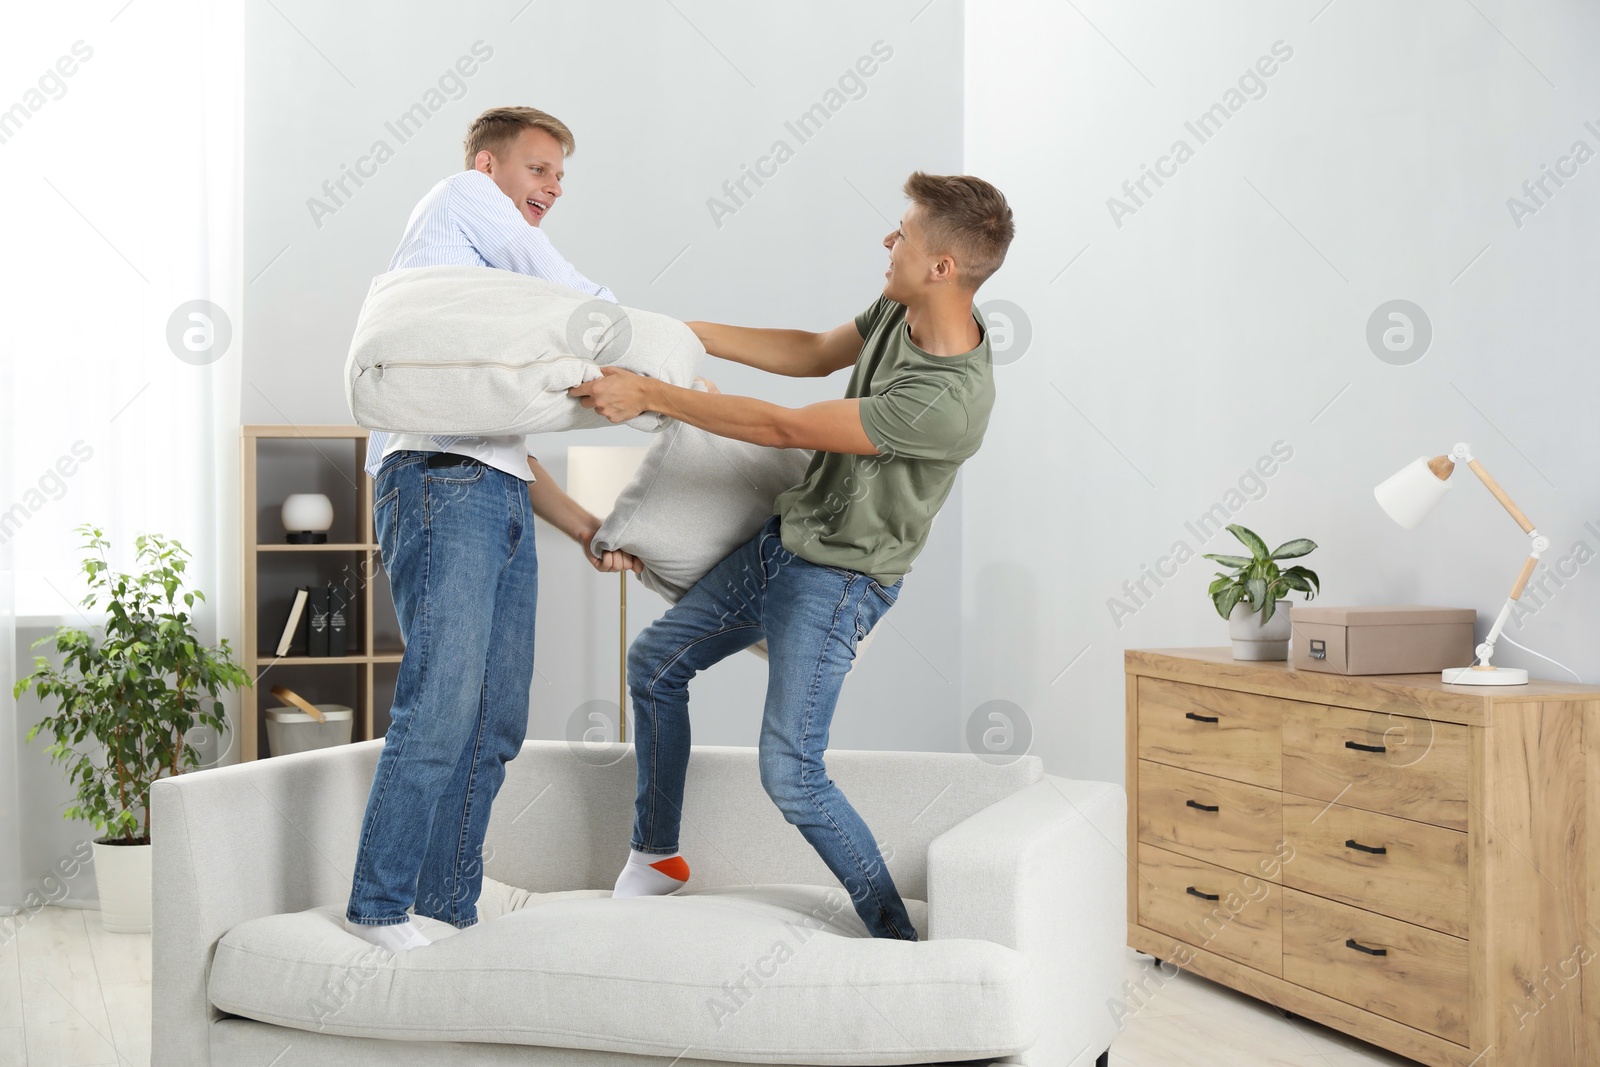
x,y
695,498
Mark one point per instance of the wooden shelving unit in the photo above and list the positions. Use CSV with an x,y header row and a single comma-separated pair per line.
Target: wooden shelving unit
x,y
326,459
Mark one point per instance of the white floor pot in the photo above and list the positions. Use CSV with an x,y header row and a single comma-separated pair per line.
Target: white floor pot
x,y
122,878
1254,641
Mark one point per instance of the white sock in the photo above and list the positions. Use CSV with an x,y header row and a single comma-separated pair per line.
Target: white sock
x,y
648,874
397,937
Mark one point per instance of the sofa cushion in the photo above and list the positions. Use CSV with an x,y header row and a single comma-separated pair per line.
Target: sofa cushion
x,y
754,974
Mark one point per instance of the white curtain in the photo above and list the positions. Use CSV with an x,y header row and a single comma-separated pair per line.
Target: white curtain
x,y
11,891
120,167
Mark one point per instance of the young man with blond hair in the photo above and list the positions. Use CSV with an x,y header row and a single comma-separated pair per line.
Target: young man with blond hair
x,y
454,520
831,562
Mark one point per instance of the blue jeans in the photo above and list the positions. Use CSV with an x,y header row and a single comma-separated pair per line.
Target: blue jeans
x,y
457,543
811,616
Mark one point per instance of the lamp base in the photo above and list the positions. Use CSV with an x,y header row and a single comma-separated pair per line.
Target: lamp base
x,y
306,537
1484,676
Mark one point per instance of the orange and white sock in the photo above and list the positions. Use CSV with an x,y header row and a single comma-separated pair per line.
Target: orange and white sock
x,y
649,874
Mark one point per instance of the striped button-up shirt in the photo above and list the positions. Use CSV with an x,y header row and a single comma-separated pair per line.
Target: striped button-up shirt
x,y
466,220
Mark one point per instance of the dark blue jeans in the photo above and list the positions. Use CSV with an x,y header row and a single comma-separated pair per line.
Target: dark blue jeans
x,y
457,543
811,616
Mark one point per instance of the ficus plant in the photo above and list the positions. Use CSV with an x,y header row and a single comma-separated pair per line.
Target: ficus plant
x,y
1256,580
135,686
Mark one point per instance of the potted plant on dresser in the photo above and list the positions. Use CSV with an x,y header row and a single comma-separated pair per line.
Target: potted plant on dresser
x,y
1253,598
134,688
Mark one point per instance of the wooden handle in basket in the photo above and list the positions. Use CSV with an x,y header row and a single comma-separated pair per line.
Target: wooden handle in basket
x,y
289,696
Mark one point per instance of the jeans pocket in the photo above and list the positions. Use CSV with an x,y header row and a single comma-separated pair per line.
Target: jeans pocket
x,y
872,607
888,594
386,523
445,488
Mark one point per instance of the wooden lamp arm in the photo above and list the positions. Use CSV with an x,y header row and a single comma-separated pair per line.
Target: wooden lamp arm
x,y
1443,466
1501,495
1522,521
1540,543
1522,579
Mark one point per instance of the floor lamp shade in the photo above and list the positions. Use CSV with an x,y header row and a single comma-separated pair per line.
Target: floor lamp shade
x,y
1411,492
597,475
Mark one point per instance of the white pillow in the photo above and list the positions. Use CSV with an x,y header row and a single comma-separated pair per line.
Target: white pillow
x,y
486,352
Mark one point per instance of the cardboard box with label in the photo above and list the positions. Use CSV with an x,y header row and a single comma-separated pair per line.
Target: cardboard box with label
x,y
1402,639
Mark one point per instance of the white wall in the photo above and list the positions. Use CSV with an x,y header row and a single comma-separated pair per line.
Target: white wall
x,y
1228,312
667,101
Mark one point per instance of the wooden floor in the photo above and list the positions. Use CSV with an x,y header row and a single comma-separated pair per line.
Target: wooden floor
x,y
72,995
1197,1023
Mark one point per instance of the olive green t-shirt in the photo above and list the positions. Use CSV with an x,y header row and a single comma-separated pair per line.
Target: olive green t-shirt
x,y
926,414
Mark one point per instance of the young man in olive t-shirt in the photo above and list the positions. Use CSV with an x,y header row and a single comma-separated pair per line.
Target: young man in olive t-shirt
x,y
827,566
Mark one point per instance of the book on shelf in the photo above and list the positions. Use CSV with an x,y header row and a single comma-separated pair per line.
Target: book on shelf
x,y
338,620
317,632
290,628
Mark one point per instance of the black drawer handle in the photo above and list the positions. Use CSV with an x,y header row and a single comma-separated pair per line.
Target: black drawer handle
x,y
1199,718
1359,747
1378,851
1195,804
1359,947
1193,892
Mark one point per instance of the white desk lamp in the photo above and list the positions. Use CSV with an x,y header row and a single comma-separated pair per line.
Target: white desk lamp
x,y
596,476
1410,494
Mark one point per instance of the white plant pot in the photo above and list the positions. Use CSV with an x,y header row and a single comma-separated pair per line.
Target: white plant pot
x,y
122,879
1254,641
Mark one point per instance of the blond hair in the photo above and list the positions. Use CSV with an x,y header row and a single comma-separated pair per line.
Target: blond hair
x,y
496,128
966,217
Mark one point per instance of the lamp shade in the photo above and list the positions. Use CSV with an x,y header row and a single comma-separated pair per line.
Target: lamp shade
x,y
307,512
1411,492
597,474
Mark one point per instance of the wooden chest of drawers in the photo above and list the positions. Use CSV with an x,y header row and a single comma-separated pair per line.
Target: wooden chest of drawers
x,y
1416,864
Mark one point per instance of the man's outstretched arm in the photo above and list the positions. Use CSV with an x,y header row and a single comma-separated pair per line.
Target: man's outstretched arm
x,y
552,504
829,426
793,353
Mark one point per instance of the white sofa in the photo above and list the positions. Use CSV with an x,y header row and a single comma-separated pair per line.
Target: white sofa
x,y
1014,879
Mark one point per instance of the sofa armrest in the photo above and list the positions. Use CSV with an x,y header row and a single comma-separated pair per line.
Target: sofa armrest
x,y
1043,872
234,843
